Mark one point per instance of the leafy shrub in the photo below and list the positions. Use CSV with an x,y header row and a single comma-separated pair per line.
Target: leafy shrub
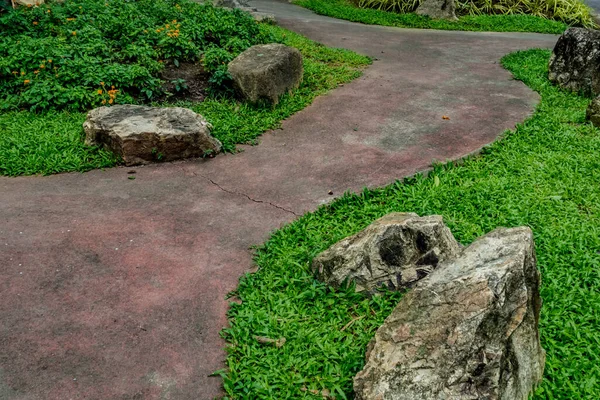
x,y
572,12
80,54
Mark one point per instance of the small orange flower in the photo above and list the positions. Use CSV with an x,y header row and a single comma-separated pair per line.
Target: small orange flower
x,y
102,83
36,72
74,33
50,61
110,101
15,72
22,73
26,81
35,22
112,87
70,19
103,101
48,11
42,66
99,91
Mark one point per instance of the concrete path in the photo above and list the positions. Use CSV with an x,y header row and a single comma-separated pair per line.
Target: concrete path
x,y
113,288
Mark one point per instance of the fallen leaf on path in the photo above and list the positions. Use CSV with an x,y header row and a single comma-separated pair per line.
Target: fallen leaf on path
x,y
445,117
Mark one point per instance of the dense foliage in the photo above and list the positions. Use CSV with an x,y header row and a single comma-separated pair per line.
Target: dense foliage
x,y
79,54
544,175
572,12
345,9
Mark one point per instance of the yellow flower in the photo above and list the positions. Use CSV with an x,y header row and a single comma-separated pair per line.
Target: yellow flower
x,y
26,81
48,11
99,91
74,33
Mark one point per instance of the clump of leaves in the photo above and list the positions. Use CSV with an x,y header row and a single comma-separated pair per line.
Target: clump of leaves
x,y
69,55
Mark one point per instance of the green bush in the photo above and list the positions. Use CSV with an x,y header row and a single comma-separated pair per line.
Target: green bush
x,y
572,12
80,54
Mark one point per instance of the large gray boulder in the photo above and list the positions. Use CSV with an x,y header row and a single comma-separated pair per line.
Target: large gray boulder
x,y
438,9
394,251
575,61
140,135
266,72
467,331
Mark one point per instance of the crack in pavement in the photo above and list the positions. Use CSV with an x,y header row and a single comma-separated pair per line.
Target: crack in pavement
x,y
242,194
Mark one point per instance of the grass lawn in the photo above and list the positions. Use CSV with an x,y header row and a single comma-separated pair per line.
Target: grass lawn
x,y
344,9
545,174
50,140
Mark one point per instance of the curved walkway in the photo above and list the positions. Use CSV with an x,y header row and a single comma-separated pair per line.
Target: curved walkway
x,y
112,288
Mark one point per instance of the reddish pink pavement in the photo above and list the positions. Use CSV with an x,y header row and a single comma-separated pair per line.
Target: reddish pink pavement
x,y
113,288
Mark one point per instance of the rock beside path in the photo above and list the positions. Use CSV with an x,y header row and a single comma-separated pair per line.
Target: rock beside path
x,y
266,72
575,61
468,331
394,251
438,9
140,135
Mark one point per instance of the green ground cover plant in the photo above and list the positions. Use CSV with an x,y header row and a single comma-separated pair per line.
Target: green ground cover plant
x,y
510,22
544,174
41,122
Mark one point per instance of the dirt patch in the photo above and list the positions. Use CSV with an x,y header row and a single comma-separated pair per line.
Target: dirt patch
x,y
188,81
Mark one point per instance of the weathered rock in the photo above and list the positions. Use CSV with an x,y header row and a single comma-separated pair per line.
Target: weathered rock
x,y
266,71
468,331
28,3
438,9
140,135
593,112
575,61
396,251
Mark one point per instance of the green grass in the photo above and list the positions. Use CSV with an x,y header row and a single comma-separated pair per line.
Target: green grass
x,y
343,9
47,143
545,174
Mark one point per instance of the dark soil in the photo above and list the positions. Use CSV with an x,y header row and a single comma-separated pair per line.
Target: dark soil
x,y
193,81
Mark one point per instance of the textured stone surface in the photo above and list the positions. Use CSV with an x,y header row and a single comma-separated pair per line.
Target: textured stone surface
x,y
395,251
141,135
468,331
593,112
439,9
575,61
266,71
28,2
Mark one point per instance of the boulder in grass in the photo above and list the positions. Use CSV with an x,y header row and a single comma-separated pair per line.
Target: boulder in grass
x,y
395,251
266,72
438,9
575,61
593,112
467,331
141,135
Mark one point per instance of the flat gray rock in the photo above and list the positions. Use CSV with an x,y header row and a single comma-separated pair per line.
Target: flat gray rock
x,y
141,135
394,251
266,72
467,331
